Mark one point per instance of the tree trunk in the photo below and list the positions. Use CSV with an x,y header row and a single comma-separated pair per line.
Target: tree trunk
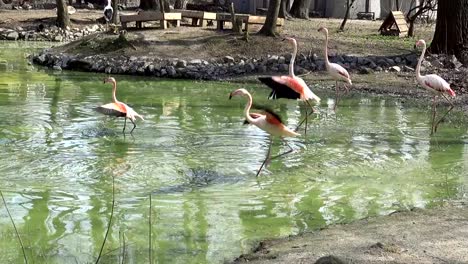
x,y
451,33
349,4
2,4
300,9
283,12
149,5
63,20
269,28
180,4
115,13
235,26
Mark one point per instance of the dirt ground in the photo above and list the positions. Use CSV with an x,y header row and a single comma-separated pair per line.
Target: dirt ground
x,y
438,235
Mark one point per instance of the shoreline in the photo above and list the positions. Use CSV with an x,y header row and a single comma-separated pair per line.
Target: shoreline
x,y
435,235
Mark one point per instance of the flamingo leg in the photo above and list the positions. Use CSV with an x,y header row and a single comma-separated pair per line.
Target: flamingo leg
x,y
266,159
433,115
446,113
125,124
305,119
284,153
134,125
337,96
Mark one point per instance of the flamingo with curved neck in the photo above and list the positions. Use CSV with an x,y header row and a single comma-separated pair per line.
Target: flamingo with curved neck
x,y
336,71
117,108
434,84
269,122
291,87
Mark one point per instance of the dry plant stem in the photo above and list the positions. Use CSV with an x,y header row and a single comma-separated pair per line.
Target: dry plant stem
x,y
150,224
110,220
16,230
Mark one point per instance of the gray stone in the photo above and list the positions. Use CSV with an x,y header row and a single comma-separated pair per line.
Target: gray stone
x,y
273,59
195,62
57,68
365,70
314,57
171,71
283,67
397,60
412,59
454,63
281,60
228,59
90,6
383,63
390,61
395,69
408,69
13,35
372,65
58,38
180,64
249,67
378,68
262,68
163,72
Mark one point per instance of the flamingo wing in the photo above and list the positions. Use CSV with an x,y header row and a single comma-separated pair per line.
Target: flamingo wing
x,y
280,87
338,72
254,116
111,109
438,84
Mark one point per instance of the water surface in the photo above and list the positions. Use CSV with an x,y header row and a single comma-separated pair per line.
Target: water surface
x,y
198,162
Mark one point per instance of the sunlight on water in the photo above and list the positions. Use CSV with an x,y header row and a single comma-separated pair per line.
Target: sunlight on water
x,y
197,160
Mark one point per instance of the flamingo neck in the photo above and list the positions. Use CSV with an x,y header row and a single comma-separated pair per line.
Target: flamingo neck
x,y
109,3
325,53
293,59
114,89
418,67
247,109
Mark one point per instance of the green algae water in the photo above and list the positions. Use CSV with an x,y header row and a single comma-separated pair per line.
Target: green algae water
x,y
198,162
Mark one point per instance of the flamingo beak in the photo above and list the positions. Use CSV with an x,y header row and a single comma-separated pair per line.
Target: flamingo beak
x,y
230,96
284,39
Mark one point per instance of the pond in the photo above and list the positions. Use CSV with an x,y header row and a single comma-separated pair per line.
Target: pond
x,y
197,161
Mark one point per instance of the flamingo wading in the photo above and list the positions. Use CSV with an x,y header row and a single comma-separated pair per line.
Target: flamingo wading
x,y
336,71
117,108
290,86
268,122
434,84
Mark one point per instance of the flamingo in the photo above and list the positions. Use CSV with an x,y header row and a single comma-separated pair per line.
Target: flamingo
x,y
290,86
434,84
108,12
117,108
336,71
269,122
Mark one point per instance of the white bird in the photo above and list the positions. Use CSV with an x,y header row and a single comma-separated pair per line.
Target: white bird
x,y
108,11
336,71
434,84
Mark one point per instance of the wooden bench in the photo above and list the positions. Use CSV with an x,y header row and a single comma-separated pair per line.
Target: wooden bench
x,y
260,20
199,18
145,16
221,18
244,20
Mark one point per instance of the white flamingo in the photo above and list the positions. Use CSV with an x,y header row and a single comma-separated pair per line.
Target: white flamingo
x,y
336,71
434,84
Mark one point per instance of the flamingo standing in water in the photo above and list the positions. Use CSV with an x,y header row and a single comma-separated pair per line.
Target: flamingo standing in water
x,y
434,84
118,109
269,122
336,71
290,86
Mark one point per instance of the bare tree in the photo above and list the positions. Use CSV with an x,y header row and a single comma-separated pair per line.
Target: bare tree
x,y
63,19
349,4
423,7
451,31
115,13
300,9
269,28
283,12
180,4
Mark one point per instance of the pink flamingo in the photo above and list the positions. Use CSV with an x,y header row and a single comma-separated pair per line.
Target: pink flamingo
x,y
118,109
336,71
270,122
434,84
290,86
